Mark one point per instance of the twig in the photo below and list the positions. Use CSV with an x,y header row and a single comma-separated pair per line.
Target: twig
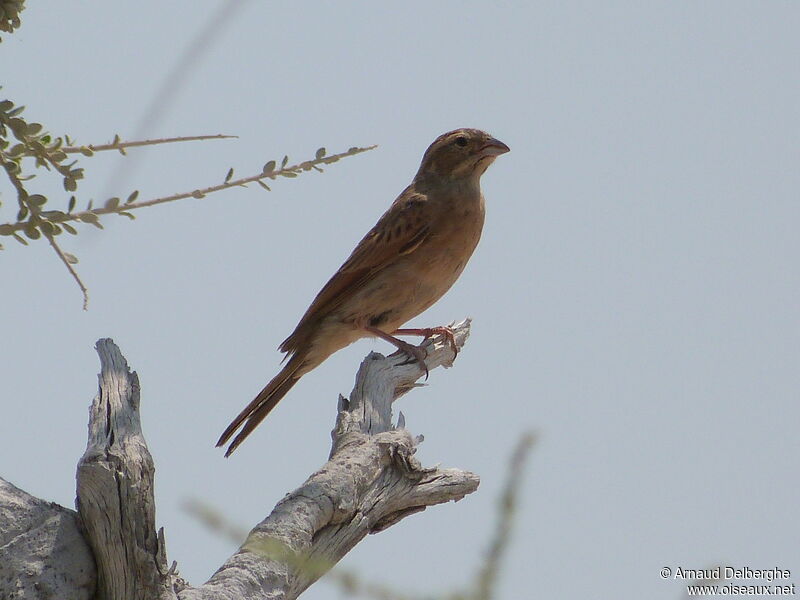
x,y
70,268
117,144
487,576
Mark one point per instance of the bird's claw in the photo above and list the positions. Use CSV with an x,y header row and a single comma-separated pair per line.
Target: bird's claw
x,y
448,334
415,354
428,332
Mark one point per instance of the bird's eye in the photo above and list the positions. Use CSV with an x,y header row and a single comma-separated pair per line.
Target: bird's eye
x,y
461,141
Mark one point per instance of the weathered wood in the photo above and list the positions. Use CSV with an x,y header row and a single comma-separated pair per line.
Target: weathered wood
x,y
370,482
42,552
115,489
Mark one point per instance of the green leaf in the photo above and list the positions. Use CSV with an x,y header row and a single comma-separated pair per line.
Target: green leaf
x,y
70,258
112,203
70,184
37,199
34,128
20,239
70,228
264,185
131,216
32,233
198,194
86,151
229,176
51,215
71,204
268,168
88,217
23,213
132,197
284,162
46,227
6,229
321,153
289,174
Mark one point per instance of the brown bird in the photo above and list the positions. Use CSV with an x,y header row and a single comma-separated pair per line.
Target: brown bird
x,y
412,256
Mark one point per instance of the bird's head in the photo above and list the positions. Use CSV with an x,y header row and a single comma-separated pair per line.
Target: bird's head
x,y
462,153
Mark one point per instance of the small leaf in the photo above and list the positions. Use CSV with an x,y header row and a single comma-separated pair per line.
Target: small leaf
x,y
34,128
284,162
20,239
53,214
88,217
70,184
134,195
268,168
37,199
198,194
131,216
32,233
289,174
70,258
69,228
86,151
112,203
23,213
264,185
229,176
71,204
6,229
321,153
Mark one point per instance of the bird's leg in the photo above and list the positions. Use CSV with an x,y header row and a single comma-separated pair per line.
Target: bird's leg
x,y
413,352
428,332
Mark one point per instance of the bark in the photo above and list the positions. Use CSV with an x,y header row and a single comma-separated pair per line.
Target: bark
x,y
370,482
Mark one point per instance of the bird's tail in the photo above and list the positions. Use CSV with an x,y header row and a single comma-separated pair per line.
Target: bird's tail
x,y
262,404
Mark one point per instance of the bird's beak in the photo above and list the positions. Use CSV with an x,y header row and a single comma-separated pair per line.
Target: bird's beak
x,y
493,147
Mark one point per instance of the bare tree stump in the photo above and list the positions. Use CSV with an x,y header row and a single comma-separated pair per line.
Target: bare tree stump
x,y
370,482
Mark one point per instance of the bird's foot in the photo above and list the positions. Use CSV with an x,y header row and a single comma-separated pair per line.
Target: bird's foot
x,y
414,353
429,332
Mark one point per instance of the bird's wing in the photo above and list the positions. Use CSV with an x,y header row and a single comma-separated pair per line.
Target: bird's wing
x,y
399,231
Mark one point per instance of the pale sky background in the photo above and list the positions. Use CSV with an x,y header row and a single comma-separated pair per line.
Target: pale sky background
x,y
635,294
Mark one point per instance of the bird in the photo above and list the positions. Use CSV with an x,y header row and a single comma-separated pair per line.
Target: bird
x,y
402,266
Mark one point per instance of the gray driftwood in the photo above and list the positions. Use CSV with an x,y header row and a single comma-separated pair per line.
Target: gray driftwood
x,y
370,482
